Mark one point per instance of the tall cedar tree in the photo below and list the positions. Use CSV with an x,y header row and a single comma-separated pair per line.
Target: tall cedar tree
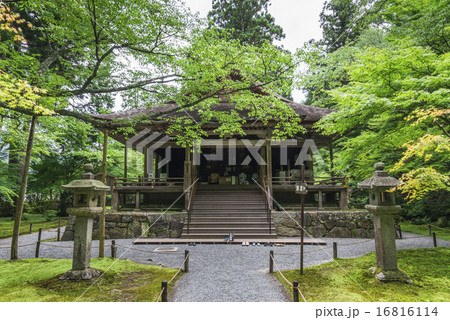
x,y
248,20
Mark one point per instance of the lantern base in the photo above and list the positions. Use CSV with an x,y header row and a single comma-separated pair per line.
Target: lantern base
x,y
78,275
390,276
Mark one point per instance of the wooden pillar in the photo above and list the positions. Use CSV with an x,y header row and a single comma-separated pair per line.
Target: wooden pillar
x,y
343,199
101,251
138,198
187,175
330,148
145,164
115,200
156,157
269,167
320,199
263,168
125,163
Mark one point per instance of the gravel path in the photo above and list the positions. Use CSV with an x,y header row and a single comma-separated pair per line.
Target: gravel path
x,y
223,272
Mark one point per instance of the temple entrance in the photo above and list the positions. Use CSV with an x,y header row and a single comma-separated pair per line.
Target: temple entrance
x,y
235,168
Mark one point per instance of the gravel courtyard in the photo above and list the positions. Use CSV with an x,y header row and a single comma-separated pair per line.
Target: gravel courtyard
x,y
221,272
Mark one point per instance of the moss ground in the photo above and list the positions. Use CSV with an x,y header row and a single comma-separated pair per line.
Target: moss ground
x,y
37,280
441,233
38,221
428,268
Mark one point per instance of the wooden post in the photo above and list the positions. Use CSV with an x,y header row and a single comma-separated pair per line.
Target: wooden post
x,y
186,264
302,223
138,199
320,199
38,243
295,291
429,229
101,251
58,237
145,163
271,262
115,200
269,169
125,162
343,199
187,175
330,148
113,249
434,239
31,228
335,250
164,288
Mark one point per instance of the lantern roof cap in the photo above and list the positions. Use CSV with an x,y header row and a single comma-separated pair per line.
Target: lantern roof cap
x,y
380,178
87,182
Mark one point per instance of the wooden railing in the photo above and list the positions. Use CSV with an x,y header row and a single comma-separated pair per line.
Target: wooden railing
x,y
334,181
267,202
148,182
190,203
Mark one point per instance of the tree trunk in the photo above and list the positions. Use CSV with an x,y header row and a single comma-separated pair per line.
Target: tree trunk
x,y
23,188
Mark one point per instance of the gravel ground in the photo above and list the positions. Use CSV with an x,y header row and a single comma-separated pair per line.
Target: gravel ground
x,y
222,272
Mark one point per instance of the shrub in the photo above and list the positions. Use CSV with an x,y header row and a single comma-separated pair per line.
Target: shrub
x,y
50,215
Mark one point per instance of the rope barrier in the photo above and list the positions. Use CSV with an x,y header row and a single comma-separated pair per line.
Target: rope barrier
x,y
323,248
58,246
19,246
160,295
299,291
352,243
175,275
415,237
179,269
149,251
441,228
285,279
54,245
294,253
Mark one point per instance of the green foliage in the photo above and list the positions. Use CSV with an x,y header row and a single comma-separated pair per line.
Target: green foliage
x,y
243,74
389,84
50,215
425,22
429,208
247,20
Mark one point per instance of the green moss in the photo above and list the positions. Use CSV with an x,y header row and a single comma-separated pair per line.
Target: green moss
x,y
428,268
442,233
38,221
38,280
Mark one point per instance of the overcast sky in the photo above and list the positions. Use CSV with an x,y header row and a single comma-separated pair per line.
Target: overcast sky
x,y
298,18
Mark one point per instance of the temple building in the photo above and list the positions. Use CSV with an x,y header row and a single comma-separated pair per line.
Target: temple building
x,y
234,183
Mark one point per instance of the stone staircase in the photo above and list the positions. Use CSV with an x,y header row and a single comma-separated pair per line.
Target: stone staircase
x,y
216,212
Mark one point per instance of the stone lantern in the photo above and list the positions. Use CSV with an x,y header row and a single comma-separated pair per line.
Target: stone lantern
x,y
85,208
382,206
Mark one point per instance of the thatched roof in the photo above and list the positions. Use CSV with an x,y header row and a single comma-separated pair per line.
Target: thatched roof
x,y
307,113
